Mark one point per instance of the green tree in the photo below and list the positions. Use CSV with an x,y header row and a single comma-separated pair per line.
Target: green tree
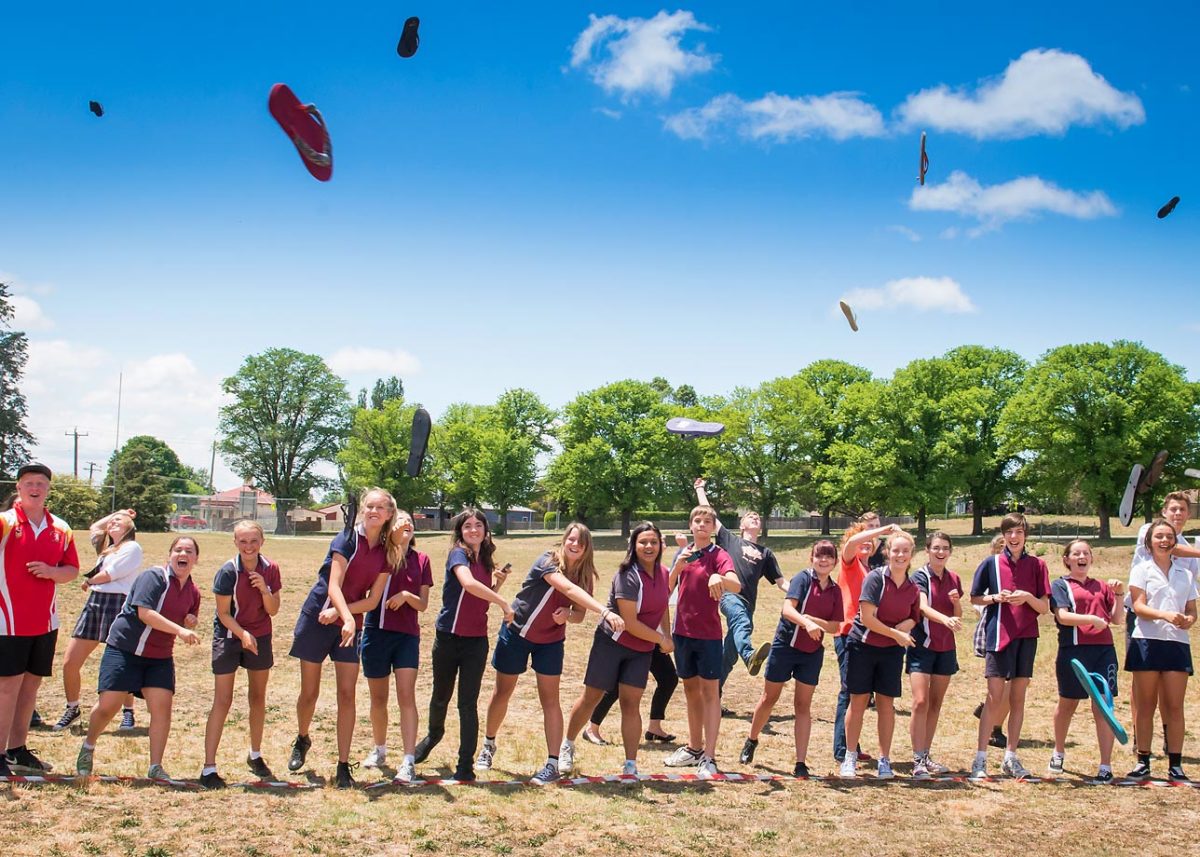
x,y
376,453
613,439
178,478
133,482
75,501
509,437
15,439
289,413
384,391
1085,413
766,453
455,452
830,379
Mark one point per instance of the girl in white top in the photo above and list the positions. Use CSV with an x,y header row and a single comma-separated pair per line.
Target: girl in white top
x,y
120,560
1164,599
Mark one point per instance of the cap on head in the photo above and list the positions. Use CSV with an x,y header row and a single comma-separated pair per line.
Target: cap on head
x,y
35,467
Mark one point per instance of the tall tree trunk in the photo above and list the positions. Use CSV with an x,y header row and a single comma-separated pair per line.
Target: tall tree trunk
x,y
765,517
626,514
976,515
825,521
1102,511
921,525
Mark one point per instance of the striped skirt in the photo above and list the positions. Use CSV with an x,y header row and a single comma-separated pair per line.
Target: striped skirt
x,y
98,615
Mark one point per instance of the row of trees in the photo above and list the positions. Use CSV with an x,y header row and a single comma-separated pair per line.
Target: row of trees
x,y
975,422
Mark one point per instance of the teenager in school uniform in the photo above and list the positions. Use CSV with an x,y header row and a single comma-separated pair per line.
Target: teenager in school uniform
x,y
933,658
349,583
460,646
391,645
246,589
1084,609
164,604
812,609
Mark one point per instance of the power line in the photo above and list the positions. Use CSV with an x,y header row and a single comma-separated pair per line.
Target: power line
x,y
77,435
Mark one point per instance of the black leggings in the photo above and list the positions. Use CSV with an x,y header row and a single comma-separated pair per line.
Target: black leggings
x,y
662,667
464,658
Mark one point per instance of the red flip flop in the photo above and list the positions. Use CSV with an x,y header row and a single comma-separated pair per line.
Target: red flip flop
x,y
305,128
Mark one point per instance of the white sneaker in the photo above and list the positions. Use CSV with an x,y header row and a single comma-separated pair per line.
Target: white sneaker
x,y
849,768
405,774
547,775
486,752
935,768
566,756
684,757
376,758
978,770
883,769
707,769
629,769
1013,767
920,770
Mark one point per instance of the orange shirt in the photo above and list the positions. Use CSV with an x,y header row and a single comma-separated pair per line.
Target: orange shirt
x,y
850,581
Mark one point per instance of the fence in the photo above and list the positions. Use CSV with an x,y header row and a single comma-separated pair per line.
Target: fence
x,y
219,512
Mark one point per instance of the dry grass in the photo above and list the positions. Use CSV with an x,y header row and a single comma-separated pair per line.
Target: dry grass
x,y
662,818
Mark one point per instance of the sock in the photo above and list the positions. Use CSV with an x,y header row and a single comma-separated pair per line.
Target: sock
x,y
74,704
568,743
552,761
208,769
1143,758
489,740
88,746
125,708
254,754
1106,769
381,749
918,757
631,762
1010,754
410,759
981,757
1175,760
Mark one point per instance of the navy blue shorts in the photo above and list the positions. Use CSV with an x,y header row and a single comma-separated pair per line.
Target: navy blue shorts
x,y
33,655
698,657
1095,659
129,673
384,651
1014,661
611,664
787,662
228,654
314,642
922,660
514,653
1158,656
874,669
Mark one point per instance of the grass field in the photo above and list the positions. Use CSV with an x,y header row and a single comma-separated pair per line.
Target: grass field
x,y
900,817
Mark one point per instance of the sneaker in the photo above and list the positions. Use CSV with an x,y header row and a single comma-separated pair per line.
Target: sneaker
x,y
70,715
35,720
1176,775
935,768
978,770
707,769
998,740
849,768
212,781
127,721
755,664
424,748
864,756
1104,775
547,775
801,771
4,769
300,748
83,762
486,753
259,768
406,772
1013,767
1141,772
684,757
919,770
727,712
377,758
629,769
156,772
566,756
748,749
979,711
883,769
464,774
1056,763
344,780
22,761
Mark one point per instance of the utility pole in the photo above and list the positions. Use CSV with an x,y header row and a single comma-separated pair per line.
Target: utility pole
x,y
75,434
211,468
91,465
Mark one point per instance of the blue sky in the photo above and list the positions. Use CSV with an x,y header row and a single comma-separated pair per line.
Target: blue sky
x,y
559,195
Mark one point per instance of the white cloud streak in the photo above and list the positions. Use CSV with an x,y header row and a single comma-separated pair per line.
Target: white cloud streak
x,y
375,362
1022,198
925,294
780,118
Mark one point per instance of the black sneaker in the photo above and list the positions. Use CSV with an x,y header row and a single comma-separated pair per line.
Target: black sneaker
x,y
801,771
22,761
212,781
300,748
979,711
5,770
1176,775
1104,776
748,751
70,715
1141,772
998,739
35,720
464,773
344,779
728,712
259,768
424,748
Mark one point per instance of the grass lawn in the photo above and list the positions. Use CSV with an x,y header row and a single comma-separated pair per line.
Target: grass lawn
x,y
834,817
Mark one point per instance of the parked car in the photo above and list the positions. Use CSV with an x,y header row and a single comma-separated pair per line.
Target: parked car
x,y
188,522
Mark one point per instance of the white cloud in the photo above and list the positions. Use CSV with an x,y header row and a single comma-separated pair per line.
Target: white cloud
x,y
926,294
644,55
780,118
376,362
1020,198
1041,92
609,112
911,234
28,315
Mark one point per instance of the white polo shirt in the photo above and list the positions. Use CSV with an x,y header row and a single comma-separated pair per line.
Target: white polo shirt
x,y
1163,592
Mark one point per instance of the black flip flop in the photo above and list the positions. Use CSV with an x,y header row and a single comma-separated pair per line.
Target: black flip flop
x,y
96,108
662,739
409,39
1168,208
420,440
1153,472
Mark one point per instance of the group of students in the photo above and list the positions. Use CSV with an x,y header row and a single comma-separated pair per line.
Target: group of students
x,y
363,613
